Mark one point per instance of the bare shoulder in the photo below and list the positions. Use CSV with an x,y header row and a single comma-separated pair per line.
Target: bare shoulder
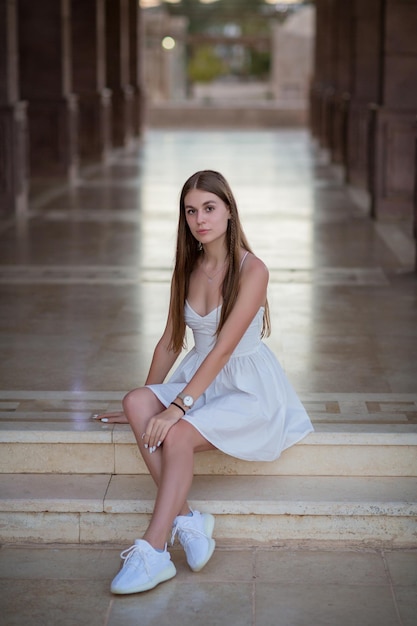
x,y
254,266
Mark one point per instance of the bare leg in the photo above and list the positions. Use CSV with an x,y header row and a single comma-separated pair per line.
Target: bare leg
x,y
178,449
139,406
171,466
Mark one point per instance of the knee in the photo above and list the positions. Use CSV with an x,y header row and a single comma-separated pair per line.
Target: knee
x,y
132,403
140,405
129,401
177,439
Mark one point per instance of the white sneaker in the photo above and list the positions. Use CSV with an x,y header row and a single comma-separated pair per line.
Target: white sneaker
x,y
194,532
143,569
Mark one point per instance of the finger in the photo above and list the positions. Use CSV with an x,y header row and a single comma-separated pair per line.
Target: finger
x,y
99,416
155,437
112,418
155,448
121,419
160,436
153,440
145,437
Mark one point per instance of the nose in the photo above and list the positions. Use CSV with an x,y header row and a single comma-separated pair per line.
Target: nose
x,y
200,217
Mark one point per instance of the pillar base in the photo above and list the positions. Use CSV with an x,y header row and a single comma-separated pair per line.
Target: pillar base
x,y
122,107
13,158
53,131
138,117
358,146
95,125
394,169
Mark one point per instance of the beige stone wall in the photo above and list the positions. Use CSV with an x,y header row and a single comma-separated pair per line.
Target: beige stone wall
x,y
292,58
164,70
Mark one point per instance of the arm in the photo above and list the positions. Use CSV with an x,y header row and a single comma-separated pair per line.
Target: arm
x,y
252,295
163,357
162,361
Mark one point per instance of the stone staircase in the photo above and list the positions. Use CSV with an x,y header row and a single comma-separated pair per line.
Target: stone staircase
x,y
84,482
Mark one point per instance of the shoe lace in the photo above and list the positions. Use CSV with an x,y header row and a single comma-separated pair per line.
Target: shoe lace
x,y
132,555
186,533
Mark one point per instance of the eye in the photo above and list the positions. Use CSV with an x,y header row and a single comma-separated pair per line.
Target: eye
x,y
210,208
190,211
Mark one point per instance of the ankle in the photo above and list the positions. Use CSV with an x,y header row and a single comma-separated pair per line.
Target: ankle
x,y
159,546
185,512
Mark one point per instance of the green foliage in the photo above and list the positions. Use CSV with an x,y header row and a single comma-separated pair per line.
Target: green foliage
x,y
251,17
260,63
205,65
205,16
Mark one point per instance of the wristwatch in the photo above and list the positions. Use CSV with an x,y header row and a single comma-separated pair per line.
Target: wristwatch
x,y
187,401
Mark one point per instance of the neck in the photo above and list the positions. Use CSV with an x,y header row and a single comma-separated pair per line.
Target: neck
x,y
214,255
212,261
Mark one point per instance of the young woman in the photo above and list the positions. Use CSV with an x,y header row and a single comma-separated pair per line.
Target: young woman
x,y
228,393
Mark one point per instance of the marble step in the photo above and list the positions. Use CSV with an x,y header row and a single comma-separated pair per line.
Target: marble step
x,y
95,508
343,449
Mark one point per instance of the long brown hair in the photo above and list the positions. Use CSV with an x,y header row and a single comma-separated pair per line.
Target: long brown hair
x,y
189,251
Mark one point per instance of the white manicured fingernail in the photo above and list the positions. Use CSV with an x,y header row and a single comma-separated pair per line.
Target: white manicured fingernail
x,y
159,443
104,419
95,416
145,445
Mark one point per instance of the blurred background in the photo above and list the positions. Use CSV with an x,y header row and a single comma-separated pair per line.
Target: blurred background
x,y
222,52
83,79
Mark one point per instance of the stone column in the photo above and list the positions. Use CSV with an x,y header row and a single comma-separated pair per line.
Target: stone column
x,y
136,42
46,83
117,70
347,80
89,78
323,84
365,81
364,99
395,123
415,203
342,81
13,124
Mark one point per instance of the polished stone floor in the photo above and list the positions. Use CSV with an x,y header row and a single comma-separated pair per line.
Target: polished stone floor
x,y
84,281
84,278
69,586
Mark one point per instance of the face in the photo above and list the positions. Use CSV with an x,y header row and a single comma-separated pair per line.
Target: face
x,y
206,214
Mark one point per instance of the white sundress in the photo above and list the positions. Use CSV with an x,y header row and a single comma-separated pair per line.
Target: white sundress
x,y
250,410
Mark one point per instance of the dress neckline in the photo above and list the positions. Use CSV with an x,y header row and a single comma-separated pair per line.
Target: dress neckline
x,y
261,308
219,306
198,314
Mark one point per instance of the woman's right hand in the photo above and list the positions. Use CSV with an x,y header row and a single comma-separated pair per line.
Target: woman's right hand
x,y
159,425
111,418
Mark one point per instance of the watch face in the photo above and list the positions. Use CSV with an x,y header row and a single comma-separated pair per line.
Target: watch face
x,y
188,401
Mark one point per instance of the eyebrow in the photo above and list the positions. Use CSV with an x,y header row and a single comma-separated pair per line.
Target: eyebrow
x,y
190,206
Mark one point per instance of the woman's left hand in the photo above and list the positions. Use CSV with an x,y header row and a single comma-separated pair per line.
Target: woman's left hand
x,y
159,425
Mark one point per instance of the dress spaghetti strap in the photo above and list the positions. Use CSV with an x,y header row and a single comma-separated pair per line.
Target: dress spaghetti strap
x,y
243,259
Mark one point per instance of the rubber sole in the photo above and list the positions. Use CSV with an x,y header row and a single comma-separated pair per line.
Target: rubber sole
x,y
208,529
166,574
199,567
